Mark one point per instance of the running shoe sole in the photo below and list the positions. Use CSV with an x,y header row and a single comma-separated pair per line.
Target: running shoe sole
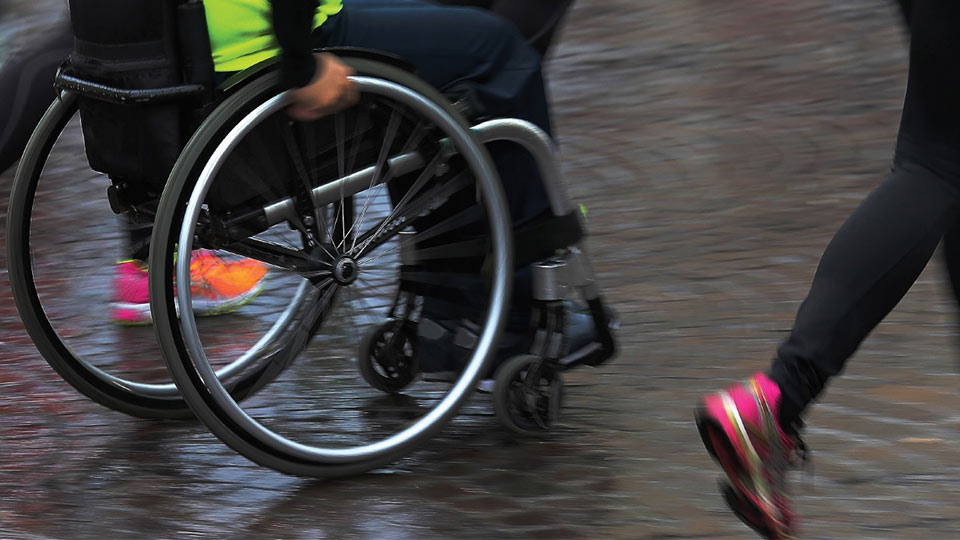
x,y
718,445
746,510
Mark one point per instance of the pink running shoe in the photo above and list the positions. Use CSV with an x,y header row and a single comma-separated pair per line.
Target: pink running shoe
x,y
131,299
739,427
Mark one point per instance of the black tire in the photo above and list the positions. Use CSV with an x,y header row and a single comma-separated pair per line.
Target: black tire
x,y
388,358
217,404
527,395
58,345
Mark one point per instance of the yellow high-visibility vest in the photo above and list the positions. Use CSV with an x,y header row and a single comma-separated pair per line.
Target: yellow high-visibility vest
x,y
241,31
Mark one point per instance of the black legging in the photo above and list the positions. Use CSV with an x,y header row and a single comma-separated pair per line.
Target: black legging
x,y
26,90
880,251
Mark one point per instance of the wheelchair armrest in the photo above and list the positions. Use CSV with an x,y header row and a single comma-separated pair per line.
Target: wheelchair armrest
x,y
125,96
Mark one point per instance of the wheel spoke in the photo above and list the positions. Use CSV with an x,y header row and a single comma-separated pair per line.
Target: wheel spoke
x,y
391,134
426,174
409,216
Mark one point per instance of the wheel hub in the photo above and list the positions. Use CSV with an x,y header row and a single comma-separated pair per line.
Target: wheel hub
x,y
345,270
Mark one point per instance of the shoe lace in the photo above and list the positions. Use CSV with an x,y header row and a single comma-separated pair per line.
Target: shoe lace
x,y
800,453
785,447
801,458
798,457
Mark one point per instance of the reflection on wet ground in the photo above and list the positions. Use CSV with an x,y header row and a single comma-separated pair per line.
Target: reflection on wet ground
x,y
717,146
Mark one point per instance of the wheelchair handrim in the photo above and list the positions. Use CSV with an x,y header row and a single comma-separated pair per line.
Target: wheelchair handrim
x,y
486,342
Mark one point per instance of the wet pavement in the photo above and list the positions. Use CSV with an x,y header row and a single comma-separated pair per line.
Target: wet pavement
x,y
717,146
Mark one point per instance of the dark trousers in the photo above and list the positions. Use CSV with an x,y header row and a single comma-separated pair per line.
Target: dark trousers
x,y
26,89
881,249
452,47
537,20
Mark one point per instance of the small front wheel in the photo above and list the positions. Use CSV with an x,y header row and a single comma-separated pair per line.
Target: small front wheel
x,y
388,358
528,394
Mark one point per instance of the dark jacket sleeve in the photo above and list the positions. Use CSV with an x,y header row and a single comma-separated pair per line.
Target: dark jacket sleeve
x,y
292,23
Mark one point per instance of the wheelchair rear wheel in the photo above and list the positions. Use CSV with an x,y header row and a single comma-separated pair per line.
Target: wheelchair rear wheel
x,y
63,244
387,211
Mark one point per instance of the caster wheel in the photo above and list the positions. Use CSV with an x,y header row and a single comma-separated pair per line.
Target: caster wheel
x,y
528,395
388,358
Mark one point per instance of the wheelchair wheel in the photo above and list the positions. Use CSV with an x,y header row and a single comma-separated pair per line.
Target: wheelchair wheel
x,y
527,395
63,243
378,212
388,357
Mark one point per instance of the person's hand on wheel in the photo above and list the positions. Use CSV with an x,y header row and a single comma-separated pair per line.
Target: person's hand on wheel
x,y
329,92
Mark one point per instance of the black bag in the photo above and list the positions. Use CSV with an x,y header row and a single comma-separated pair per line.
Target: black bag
x,y
128,44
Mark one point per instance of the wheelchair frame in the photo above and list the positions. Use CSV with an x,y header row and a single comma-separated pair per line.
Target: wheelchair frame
x,y
563,268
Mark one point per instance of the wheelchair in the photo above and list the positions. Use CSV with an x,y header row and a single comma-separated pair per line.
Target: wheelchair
x,y
368,219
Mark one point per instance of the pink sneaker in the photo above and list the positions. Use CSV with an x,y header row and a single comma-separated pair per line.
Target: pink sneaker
x,y
131,299
739,427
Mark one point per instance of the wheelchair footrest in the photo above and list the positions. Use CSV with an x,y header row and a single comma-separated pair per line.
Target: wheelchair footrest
x,y
543,236
604,348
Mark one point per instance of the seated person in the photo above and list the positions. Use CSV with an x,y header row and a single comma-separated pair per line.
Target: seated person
x,y
537,18
449,47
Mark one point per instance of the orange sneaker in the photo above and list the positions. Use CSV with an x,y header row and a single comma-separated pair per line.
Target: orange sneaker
x,y
220,286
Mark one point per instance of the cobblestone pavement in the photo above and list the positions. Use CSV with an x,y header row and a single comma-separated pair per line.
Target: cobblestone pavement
x,y
717,146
